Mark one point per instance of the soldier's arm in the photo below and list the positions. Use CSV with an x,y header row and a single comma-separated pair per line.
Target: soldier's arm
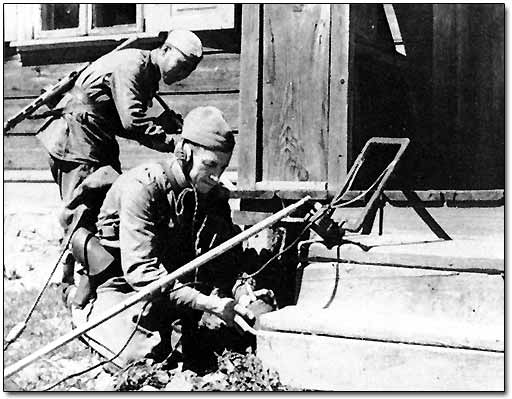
x,y
127,92
138,240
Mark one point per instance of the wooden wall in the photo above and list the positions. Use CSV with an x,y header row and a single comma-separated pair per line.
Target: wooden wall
x,y
295,92
468,90
447,94
387,86
215,82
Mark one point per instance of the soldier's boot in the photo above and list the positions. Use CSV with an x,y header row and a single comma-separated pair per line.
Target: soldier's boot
x,y
68,269
68,279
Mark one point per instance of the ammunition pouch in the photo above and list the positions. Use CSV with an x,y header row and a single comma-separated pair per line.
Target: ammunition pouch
x,y
100,264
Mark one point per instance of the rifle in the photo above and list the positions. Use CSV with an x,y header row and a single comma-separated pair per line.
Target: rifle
x,y
53,95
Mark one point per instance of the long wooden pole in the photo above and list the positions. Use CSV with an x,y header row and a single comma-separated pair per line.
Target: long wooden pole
x,y
155,286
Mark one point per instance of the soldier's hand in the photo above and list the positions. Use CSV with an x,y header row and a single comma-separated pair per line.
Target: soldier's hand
x,y
253,296
170,121
165,145
227,309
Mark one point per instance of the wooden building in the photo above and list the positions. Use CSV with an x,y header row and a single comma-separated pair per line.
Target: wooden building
x,y
305,85
47,50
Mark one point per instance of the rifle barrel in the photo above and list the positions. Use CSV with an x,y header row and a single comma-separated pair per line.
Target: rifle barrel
x,y
57,89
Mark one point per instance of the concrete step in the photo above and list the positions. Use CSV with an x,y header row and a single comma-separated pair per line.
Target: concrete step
x,y
345,364
464,297
485,254
386,325
393,313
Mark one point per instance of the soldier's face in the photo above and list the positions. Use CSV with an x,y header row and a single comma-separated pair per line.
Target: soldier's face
x,y
207,167
175,67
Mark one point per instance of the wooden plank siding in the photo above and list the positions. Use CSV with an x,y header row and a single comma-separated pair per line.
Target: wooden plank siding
x,y
447,96
180,102
26,152
295,92
216,73
469,93
215,82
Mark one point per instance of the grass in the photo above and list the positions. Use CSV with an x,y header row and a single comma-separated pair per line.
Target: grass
x,y
49,321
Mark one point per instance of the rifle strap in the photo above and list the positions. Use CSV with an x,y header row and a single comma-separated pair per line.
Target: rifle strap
x,y
47,114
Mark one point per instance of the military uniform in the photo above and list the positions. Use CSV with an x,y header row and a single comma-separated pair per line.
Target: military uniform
x,y
151,217
110,98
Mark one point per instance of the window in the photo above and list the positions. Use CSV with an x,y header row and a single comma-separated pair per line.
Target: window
x,y
114,18
61,20
105,15
66,20
59,16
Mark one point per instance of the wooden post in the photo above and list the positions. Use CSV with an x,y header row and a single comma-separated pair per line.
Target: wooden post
x,y
248,106
339,100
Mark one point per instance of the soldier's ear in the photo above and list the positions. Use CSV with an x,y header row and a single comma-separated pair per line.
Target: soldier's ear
x,y
187,153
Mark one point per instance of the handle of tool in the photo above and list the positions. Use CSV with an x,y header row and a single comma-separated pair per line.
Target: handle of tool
x,y
244,326
156,286
125,44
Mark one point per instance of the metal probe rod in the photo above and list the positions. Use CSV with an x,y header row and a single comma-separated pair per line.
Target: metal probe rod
x,y
155,286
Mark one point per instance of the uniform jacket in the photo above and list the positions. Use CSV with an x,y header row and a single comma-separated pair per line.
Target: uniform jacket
x,y
109,98
149,214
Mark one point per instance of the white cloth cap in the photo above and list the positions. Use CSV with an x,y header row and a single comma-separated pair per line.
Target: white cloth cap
x,y
185,41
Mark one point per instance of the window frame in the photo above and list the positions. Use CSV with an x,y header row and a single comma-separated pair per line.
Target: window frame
x,y
124,28
85,27
80,30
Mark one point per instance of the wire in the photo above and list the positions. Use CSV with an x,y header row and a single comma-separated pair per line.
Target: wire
x,y
331,206
139,318
248,276
41,292
105,361
365,192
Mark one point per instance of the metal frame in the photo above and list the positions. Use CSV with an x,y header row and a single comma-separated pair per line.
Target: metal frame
x,y
368,213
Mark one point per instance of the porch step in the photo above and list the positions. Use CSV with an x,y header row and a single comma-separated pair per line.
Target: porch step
x,y
344,364
462,297
388,326
389,316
